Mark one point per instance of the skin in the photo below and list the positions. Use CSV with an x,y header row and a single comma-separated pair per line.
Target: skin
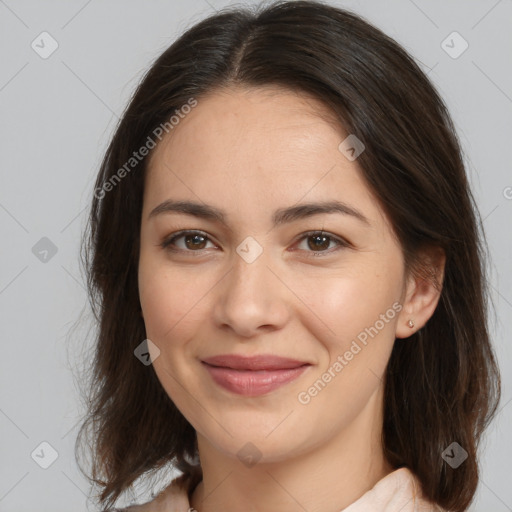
x,y
250,152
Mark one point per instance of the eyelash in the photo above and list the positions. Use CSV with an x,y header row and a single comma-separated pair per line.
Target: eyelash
x,y
166,244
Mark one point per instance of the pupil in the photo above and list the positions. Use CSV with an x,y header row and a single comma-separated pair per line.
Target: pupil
x,y
320,237
193,244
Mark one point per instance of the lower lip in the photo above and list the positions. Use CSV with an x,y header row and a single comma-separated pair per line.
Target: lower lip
x,y
251,382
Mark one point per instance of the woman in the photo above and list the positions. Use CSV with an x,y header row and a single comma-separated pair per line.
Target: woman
x,y
288,277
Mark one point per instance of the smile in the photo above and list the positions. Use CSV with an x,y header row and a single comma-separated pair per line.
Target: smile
x,y
253,376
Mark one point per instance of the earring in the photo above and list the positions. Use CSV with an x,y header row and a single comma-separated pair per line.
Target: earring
x,y
410,323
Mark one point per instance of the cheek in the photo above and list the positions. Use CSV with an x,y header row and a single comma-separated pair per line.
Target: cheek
x,y
171,309
360,310
167,300
359,313
349,304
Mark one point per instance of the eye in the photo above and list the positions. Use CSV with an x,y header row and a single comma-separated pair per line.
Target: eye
x,y
195,241
319,241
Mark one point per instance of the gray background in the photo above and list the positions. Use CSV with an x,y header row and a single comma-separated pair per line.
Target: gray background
x,y
57,115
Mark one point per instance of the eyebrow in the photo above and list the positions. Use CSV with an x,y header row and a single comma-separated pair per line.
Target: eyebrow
x,y
281,216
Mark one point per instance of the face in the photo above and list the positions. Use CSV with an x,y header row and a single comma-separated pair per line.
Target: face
x,y
265,275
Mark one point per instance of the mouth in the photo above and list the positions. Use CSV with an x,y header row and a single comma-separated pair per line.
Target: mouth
x,y
260,362
253,376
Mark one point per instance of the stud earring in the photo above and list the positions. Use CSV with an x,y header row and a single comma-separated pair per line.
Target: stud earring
x,y
410,323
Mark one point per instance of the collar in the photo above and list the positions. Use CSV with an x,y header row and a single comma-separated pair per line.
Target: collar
x,y
399,491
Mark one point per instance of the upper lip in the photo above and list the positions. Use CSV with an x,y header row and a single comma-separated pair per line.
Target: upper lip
x,y
259,362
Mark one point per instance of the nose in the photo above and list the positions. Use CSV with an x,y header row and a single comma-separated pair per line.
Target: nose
x,y
251,299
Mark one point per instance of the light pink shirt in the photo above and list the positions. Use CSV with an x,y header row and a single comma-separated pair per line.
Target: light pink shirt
x,y
399,491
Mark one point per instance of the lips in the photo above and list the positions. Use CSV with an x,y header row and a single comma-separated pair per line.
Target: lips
x,y
260,362
253,376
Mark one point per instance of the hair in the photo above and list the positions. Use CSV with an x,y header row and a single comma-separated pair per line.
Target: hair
x,y
442,385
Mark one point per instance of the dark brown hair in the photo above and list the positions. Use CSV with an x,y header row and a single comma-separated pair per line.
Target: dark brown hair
x,y
442,384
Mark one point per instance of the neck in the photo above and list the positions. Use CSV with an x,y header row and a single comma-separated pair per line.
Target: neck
x,y
326,478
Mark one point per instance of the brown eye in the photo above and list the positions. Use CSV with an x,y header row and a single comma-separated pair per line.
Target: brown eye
x,y
318,243
194,241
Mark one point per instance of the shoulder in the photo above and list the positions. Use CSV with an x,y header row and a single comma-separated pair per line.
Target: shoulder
x,y
174,497
399,490
407,480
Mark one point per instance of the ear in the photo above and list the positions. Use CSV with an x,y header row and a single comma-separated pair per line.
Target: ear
x,y
422,292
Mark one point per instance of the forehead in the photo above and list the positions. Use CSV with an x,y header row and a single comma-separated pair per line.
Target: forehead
x,y
237,119
256,150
